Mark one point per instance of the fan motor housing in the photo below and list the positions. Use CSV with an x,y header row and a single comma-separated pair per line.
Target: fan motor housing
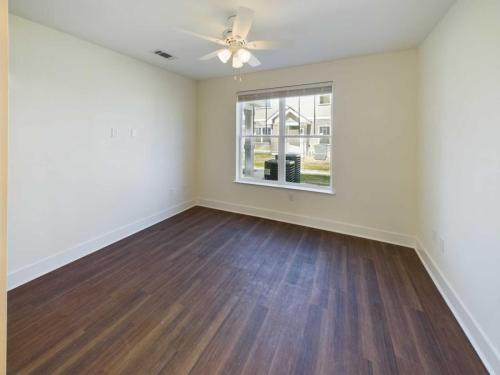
x,y
227,35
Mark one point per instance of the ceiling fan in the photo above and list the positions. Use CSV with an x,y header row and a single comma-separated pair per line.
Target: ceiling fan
x,y
234,40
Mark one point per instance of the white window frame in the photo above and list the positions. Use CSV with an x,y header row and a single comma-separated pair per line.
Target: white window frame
x,y
281,182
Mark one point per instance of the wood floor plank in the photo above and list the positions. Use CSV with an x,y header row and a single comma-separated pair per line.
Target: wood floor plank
x,y
213,292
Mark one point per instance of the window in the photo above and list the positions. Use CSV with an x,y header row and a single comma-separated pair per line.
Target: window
x,y
324,130
284,137
263,131
324,99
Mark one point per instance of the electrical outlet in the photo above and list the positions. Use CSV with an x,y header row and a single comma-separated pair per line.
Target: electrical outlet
x,y
113,132
441,244
133,132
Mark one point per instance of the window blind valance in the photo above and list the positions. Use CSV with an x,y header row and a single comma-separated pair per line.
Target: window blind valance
x,y
286,92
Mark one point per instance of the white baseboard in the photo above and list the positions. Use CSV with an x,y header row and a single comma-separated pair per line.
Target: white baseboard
x,y
37,269
483,346
313,222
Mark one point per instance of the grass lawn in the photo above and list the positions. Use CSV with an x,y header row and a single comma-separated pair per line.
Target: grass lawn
x,y
320,180
315,179
317,165
260,158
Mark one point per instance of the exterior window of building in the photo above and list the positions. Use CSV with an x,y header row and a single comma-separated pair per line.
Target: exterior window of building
x,y
324,130
324,99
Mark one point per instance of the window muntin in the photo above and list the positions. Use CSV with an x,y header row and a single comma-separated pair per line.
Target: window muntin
x,y
285,138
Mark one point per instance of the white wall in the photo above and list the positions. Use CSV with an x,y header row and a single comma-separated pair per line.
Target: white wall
x,y
73,188
459,165
375,105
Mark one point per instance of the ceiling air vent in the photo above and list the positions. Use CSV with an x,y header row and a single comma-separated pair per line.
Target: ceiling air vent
x,y
164,55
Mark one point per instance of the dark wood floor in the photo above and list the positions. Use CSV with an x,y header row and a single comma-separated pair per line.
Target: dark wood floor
x,y
211,292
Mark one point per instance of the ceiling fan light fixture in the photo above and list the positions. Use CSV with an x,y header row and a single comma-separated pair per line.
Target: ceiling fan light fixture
x,y
237,62
243,55
235,43
224,55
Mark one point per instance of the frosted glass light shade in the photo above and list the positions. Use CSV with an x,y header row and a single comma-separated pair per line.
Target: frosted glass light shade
x,y
237,62
224,55
244,55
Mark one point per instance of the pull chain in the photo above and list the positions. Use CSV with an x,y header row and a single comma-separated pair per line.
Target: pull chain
x,y
237,77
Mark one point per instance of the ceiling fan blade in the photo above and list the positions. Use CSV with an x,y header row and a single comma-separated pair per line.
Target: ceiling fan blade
x,y
243,22
211,55
204,37
269,44
253,62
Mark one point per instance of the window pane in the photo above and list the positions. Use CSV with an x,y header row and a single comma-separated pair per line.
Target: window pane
x,y
323,114
292,116
260,117
308,161
306,114
258,158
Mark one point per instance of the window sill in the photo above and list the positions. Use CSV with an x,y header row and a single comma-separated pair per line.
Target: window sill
x,y
307,188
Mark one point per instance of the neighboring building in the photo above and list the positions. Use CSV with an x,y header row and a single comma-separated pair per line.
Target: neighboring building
x,y
309,116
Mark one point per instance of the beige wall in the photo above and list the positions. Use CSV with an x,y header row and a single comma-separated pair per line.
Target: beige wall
x,y
74,188
459,165
374,144
3,177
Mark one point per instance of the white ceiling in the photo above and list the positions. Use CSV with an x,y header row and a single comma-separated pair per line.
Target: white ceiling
x,y
321,29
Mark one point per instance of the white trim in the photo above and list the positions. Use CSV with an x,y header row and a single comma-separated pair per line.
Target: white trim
x,y
282,139
287,185
50,263
281,142
238,139
477,337
313,222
